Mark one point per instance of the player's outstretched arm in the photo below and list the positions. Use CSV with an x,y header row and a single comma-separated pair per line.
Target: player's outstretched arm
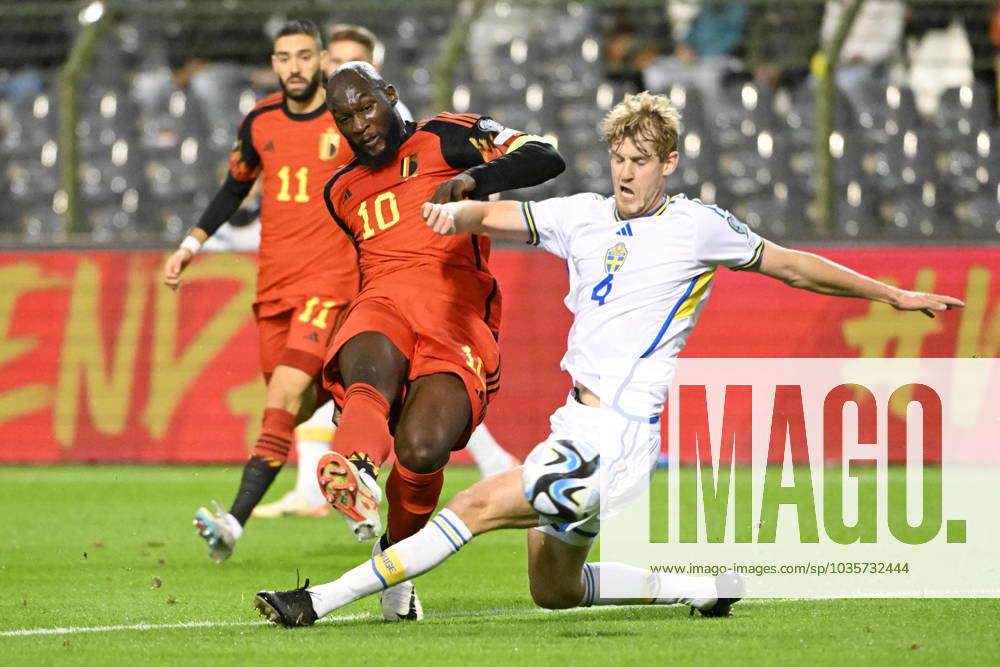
x,y
811,272
502,220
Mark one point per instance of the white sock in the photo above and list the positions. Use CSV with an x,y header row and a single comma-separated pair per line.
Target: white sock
x,y
658,588
312,441
491,458
234,525
430,546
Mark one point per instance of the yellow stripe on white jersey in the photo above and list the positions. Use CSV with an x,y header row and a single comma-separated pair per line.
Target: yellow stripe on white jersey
x,y
698,293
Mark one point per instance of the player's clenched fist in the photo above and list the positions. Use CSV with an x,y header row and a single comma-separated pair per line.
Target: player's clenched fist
x,y
441,217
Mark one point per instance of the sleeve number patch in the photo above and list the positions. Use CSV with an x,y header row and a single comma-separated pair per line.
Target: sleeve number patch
x,y
386,214
301,176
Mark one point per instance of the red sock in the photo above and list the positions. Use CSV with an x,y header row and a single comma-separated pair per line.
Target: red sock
x,y
276,435
412,499
364,424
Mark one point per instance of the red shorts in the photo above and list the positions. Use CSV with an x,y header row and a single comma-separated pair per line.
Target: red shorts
x,y
434,335
297,331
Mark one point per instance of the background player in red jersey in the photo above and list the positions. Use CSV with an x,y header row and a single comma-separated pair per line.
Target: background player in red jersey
x,y
308,269
418,346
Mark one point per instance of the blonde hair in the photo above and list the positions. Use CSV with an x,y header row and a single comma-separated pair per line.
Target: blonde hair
x,y
644,118
347,32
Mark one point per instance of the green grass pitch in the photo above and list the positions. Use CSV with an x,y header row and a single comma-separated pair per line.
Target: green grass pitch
x,y
101,551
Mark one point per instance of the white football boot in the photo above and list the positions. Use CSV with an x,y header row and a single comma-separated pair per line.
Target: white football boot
x,y
352,492
220,529
399,602
730,588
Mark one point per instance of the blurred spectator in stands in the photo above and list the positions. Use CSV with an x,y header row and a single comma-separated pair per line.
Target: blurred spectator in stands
x,y
705,52
873,41
939,53
628,50
35,44
191,52
779,42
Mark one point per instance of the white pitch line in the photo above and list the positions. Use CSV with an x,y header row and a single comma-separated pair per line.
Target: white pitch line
x,y
27,632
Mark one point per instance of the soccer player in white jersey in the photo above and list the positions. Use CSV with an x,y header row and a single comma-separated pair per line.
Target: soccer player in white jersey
x,y
641,265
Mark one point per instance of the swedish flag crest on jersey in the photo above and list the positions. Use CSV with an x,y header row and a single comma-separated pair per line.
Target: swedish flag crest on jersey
x,y
615,257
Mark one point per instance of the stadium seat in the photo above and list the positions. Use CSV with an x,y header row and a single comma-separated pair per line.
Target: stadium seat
x,y
33,121
902,162
741,110
590,170
909,215
775,215
968,163
222,93
106,116
855,213
167,117
882,111
979,216
697,162
963,111
41,219
33,176
691,105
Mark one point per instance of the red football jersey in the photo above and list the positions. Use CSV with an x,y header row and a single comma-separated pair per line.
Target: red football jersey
x,y
301,253
380,210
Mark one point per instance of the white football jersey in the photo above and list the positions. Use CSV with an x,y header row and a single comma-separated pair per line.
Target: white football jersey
x,y
636,287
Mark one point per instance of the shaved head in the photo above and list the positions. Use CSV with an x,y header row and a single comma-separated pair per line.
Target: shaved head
x,y
361,69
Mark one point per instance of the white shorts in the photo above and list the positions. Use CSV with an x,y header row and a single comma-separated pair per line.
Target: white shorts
x,y
628,448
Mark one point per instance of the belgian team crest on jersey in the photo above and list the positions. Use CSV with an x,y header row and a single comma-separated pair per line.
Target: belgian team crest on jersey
x,y
408,166
329,144
615,257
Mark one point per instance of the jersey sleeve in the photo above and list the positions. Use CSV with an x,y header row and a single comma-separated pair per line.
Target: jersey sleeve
x,y
244,161
550,222
722,240
468,140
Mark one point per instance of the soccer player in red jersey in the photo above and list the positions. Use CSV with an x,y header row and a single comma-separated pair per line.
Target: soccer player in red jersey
x,y
347,43
416,358
308,269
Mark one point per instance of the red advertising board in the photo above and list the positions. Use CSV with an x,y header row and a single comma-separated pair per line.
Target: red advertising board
x,y
100,362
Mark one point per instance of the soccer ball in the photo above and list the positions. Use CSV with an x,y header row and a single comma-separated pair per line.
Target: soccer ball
x,y
560,482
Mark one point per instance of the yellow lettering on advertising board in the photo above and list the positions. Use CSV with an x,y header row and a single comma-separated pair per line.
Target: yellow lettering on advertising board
x,y
976,337
16,280
174,371
84,365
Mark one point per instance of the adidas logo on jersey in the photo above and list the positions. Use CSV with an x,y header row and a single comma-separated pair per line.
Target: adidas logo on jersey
x,y
625,231
269,146
313,337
